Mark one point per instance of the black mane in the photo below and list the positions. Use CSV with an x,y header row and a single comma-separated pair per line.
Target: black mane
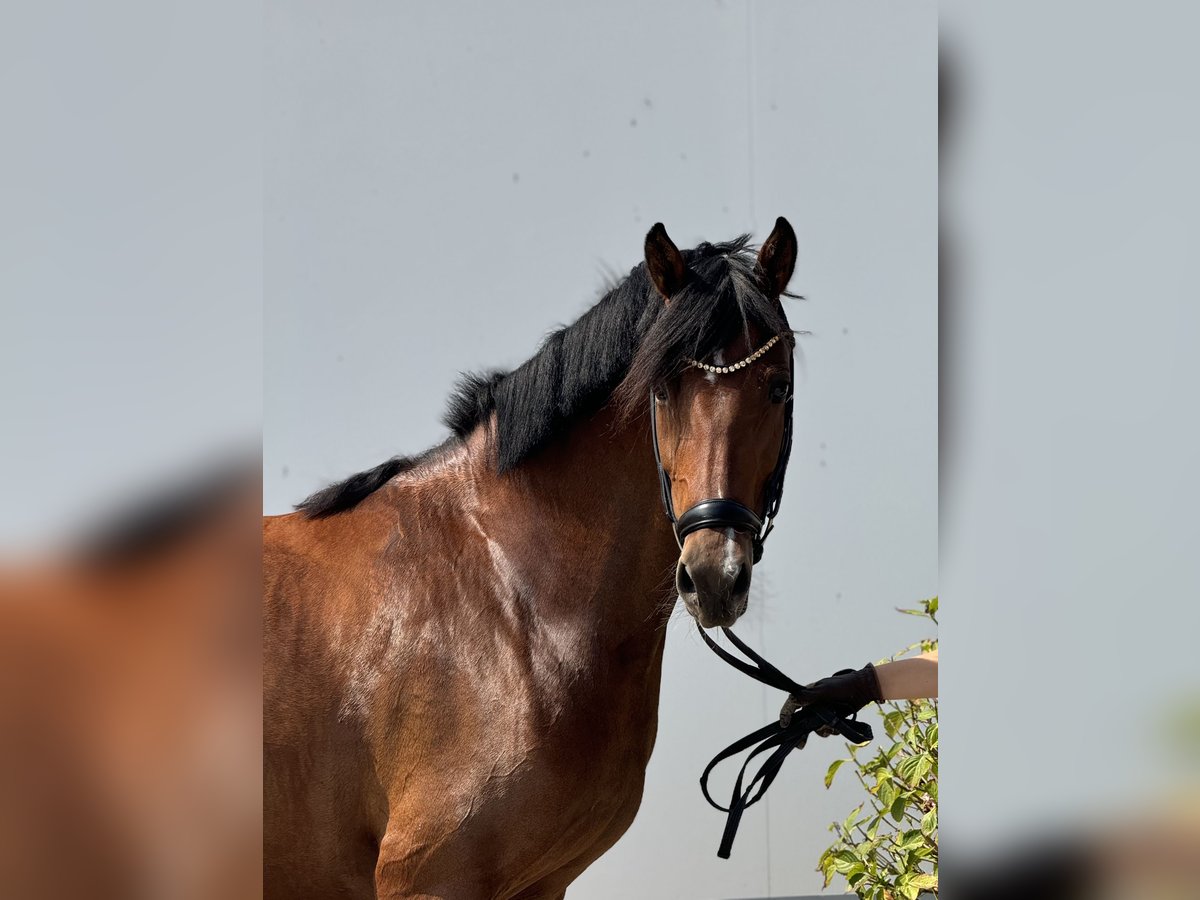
x,y
625,344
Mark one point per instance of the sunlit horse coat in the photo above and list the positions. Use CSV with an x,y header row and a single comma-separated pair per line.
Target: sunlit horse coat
x,y
463,649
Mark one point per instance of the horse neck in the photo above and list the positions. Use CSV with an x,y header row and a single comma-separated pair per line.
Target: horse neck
x,y
583,526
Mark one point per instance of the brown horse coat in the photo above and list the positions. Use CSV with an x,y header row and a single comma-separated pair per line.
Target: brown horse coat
x,y
488,714
462,669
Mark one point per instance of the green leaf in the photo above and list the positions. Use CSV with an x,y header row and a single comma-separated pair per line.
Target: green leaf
x,y
931,606
923,767
892,722
887,794
826,866
873,828
833,767
897,809
910,840
923,881
929,822
852,819
913,769
846,863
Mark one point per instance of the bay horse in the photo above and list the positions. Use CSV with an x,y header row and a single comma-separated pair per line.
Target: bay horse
x,y
464,648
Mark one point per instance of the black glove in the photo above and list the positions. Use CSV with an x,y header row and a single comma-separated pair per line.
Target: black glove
x,y
846,692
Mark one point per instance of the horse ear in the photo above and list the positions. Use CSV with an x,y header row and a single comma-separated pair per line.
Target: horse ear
x,y
664,262
777,258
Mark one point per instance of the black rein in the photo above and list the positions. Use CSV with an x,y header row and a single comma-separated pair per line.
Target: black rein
x,y
771,737
724,513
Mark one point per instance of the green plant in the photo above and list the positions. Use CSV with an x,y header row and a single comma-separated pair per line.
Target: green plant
x,y
887,848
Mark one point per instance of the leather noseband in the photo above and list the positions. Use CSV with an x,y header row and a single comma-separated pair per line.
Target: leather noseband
x,y
721,514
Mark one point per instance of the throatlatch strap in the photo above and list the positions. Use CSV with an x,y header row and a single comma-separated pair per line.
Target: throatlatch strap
x,y
772,736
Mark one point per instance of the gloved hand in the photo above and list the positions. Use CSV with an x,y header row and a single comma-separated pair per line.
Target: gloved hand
x,y
847,691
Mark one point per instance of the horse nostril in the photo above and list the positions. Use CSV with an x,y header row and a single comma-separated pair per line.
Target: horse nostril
x,y
683,580
741,584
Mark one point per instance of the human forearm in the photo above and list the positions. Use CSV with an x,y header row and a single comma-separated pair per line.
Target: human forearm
x,y
909,679
851,689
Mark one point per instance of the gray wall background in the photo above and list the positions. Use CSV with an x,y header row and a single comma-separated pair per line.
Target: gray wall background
x,y
130,263
470,172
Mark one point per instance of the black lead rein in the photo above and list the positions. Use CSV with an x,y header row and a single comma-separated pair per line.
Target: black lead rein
x,y
772,736
727,513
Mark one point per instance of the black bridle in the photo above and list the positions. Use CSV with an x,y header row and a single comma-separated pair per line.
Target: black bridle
x,y
722,512
772,739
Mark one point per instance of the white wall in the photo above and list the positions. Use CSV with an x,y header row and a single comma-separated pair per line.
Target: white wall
x,y
471,170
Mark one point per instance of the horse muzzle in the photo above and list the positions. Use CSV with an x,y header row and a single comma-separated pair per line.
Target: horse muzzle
x,y
714,571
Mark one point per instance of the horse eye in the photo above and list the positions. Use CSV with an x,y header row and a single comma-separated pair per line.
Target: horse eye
x,y
781,388
661,394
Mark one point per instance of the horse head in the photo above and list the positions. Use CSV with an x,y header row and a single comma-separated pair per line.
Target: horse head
x,y
720,413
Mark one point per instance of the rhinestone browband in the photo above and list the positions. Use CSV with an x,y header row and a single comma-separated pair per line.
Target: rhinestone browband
x,y
724,370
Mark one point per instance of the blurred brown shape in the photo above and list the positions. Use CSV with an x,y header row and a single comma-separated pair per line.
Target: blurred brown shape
x,y
1152,853
130,704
